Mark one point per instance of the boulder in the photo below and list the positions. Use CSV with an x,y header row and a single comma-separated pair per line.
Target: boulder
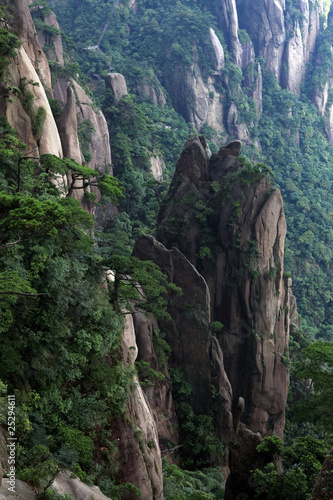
x,y
64,483
22,491
117,83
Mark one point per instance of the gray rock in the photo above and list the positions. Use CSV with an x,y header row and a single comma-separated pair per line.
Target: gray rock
x,y
64,483
117,83
22,491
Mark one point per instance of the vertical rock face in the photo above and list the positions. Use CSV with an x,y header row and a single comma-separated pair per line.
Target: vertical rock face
x,y
229,222
139,452
264,21
117,83
159,393
68,128
322,93
197,100
324,485
55,53
30,64
48,140
236,129
98,143
194,348
280,39
149,86
243,458
283,34
300,47
218,49
26,28
157,166
227,13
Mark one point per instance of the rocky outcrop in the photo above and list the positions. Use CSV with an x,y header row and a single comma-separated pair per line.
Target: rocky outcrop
x,y
194,347
78,110
237,130
158,393
248,55
219,52
243,458
265,23
53,41
321,95
98,142
26,29
324,107
150,87
228,18
67,125
65,484
22,491
196,100
284,41
117,83
157,166
139,452
30,66
21,72
300,47
235,238
323,488
256,82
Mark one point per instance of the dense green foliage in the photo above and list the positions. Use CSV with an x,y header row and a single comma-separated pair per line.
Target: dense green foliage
x,y
60,325
296,475
8,43
56,324
162,38
304,174
55,275
200,485
316,368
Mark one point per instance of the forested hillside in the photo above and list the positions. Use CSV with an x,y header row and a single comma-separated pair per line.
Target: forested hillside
x,y
161,47
159,368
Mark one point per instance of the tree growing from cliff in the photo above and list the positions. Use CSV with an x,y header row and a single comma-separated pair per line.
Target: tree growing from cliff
x,y
138,285
8,43
87,177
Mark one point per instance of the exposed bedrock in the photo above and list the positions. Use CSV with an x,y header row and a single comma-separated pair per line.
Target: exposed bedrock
x,y
194,347
228,220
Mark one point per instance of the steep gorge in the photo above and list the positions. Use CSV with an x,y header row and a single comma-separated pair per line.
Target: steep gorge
x,y
220,238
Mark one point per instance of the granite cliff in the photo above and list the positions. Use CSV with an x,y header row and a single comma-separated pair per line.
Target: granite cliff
x,y
220,239
230,225
222,227
270,36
